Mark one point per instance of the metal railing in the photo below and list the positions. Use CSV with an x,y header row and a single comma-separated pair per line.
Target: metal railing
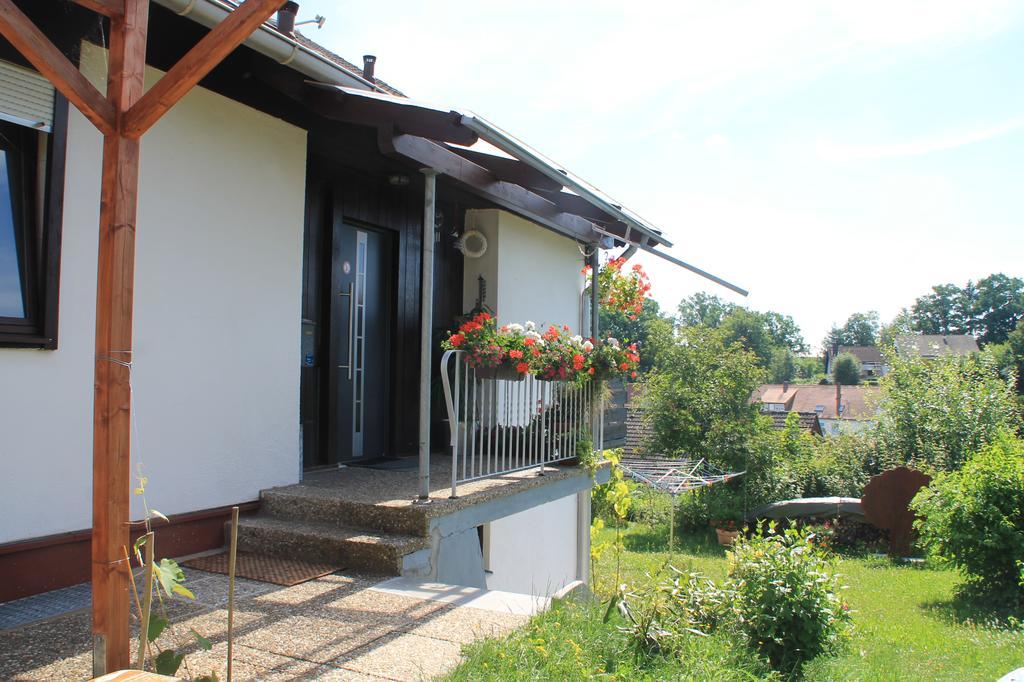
x,y
500,425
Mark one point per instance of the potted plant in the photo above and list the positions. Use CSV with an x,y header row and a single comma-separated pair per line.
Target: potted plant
x,y
610,359
486,350
726,530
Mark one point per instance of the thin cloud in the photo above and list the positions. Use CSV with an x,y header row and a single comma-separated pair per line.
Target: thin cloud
x,y
838,151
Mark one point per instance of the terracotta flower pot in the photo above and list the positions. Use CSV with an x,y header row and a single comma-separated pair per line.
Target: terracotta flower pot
x,y
726,537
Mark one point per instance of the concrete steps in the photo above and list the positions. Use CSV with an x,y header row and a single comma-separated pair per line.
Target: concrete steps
x,y
357,549
300,504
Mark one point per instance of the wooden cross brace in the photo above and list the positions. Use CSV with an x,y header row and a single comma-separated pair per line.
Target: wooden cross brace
x,y
123,115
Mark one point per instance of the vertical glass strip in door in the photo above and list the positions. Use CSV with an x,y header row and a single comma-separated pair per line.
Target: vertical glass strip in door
x,y
359,356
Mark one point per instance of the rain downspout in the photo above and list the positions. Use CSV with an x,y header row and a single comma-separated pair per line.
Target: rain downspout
x,y
426,327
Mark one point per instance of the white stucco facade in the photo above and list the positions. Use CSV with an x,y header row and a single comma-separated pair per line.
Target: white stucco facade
x,y
217,311
531,272
535,551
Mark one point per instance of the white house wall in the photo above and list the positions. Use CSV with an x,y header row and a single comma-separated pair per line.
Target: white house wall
x,y
535,551
531,272
217,312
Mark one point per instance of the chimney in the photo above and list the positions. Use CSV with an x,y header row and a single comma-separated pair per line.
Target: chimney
x,y
368,61
839,400
286,18
785,387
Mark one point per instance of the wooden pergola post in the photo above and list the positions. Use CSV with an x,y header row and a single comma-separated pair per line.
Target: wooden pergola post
x,y
123,116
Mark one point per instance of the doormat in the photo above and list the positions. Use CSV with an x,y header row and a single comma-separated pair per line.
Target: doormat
x,y
264,568
387,464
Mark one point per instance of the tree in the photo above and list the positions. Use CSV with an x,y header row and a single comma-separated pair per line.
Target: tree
x,y
810,369
988,310
697,398
703,309
783,366
860,329
748,328
901,325
999,307
934,413
1009,356
846,370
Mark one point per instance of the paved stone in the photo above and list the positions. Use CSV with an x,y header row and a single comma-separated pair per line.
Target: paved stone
x,y
405,657
334,628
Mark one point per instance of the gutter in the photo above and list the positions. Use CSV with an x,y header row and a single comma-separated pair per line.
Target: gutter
x,y
271,43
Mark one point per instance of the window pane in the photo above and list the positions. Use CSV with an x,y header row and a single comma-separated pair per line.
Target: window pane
x,y
11,300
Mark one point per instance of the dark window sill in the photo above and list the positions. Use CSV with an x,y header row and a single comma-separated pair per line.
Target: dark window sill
x,y
15,340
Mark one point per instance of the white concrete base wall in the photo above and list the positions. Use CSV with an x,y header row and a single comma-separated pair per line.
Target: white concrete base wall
x,y
217,316
535,551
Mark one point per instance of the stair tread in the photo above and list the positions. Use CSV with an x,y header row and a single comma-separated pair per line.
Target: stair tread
x,y
335,532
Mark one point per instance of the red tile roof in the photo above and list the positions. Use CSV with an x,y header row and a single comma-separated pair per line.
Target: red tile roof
x,y
858,402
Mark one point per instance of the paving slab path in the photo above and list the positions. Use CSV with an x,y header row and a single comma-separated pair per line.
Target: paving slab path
x,y
338,627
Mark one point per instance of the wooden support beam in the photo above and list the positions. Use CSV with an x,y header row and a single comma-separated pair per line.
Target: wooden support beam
x,y
26,37
108,8
483,183
114,300
199,61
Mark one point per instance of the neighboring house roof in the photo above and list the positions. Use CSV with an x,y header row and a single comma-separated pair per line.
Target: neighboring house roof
x,y
858,402
863,353
936,345
808,421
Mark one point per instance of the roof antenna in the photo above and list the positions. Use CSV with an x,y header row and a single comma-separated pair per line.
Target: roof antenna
x,y
320,20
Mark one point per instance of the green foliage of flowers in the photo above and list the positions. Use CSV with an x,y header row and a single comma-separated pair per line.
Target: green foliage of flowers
x,y
787,598
974,518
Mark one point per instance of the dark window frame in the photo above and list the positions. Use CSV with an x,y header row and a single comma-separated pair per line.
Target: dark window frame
x,y
39,248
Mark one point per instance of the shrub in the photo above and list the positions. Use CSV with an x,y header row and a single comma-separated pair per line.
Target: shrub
x,y
786,598
975,517
839,466
846,370
934,413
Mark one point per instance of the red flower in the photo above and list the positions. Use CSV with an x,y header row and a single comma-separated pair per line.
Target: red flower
x,y
590,371
535,352
633,375
522,367
515,354
624,366
456,340
577,362
529,341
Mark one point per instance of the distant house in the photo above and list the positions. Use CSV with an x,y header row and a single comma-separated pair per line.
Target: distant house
x,y
933,346
836,407
872,364
809,421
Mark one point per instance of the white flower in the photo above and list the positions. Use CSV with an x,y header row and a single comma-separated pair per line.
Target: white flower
x,y
613,342
587,346
577,339
533,335
530,326
516,328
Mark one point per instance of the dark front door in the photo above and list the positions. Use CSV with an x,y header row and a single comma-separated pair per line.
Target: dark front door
x,y
360,331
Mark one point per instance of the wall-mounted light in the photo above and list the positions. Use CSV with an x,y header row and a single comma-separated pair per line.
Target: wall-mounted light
x,y
398,180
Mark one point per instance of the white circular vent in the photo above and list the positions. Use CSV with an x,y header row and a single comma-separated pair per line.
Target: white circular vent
x,y
472,244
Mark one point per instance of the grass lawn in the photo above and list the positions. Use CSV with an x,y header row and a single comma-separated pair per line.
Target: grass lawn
x,y
907,626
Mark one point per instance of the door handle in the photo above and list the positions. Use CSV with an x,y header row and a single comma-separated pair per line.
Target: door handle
x,y
351,327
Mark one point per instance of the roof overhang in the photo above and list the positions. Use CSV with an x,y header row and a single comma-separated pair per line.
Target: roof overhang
x,y
492,163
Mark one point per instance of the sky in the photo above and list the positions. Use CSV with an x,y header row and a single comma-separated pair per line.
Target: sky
x,y
830,157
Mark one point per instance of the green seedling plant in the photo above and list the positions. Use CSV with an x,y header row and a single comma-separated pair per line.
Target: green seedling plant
x,y
164,579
